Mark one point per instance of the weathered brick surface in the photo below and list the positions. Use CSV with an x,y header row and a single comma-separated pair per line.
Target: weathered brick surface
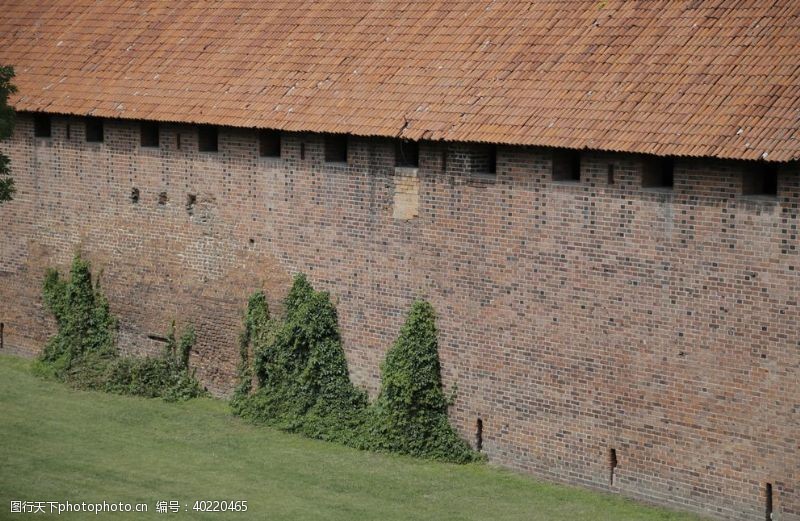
x,y
574,317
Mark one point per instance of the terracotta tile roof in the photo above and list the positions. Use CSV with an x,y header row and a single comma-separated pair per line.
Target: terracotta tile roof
x,y
701,78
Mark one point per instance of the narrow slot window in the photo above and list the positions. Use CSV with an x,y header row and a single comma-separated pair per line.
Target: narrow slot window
x,y
612,465
302,150
611,173
207,138
149,134
42,125
769,504
406,153
479,435
94,130
491,160
336,148
269,143
69,131
760,179
659,173
567,166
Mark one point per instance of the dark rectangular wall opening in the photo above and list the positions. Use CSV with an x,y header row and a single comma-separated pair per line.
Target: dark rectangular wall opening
x,y
2,332
658,173
611,173
149,134
269,143
484,160
768,499
567,166
760,179
42,125
69,131
336,148
406,153
479,435
134,195
207,138
612,465
94,130
178,140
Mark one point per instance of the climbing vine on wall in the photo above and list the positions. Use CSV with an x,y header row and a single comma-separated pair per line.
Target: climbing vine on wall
x,y
293,375
410,414
167,376
84,343
259,331
300,369
83,352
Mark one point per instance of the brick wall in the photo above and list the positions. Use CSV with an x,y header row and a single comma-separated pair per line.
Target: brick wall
x,y
575,318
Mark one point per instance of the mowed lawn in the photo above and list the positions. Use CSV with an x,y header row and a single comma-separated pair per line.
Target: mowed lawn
x,y
58,444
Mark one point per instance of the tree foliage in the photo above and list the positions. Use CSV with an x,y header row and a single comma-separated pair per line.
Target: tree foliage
x,y
6,128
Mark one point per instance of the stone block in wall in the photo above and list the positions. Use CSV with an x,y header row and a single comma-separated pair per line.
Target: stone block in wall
x,y
406,193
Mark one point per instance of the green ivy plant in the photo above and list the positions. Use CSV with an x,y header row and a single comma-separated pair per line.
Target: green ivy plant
x,y
410,414
83,352
84,343
167,376
293,375
300,368
258,332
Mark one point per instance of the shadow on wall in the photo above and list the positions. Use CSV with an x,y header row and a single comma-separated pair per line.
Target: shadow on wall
x,y
191,283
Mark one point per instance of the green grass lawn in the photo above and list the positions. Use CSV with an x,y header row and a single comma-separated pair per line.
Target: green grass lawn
x,y
58,444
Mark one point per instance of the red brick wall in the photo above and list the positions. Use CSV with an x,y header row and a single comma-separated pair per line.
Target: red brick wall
x,y
574,317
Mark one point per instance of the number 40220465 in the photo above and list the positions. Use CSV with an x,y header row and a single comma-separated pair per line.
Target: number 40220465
x,y
220,506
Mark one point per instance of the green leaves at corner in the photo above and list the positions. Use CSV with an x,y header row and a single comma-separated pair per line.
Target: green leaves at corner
x,y
6,128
